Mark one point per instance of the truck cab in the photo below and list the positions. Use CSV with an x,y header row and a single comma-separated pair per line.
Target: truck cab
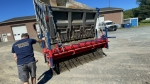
x,y
110,25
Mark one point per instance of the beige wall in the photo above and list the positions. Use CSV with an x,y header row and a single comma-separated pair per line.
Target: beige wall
x,y
7,28
30,29
115,16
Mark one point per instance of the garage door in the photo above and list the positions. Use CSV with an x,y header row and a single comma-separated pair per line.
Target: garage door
x,y
18,30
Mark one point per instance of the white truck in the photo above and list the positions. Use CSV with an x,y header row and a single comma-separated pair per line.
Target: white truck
x,y
110,25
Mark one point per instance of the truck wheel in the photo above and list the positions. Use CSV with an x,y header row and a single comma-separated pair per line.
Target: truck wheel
x,y
114,29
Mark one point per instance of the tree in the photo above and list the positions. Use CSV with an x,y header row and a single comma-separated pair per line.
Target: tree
x,y
143,9
142,12
143,2
128,14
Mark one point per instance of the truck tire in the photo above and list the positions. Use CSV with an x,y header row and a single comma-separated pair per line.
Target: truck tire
x,y
114,29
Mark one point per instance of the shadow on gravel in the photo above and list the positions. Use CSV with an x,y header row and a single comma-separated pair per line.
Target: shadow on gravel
x,y
47,76
68,63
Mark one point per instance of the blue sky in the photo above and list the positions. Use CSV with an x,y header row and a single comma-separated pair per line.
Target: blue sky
x,y
17,8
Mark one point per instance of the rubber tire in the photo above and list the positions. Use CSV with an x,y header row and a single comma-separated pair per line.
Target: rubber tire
x,y
114,29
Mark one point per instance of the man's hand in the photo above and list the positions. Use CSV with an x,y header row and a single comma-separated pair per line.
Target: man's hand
x,y
43,39
15,57
40,40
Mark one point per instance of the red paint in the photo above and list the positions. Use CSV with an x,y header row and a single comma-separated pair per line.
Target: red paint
x,y
47,18
69,50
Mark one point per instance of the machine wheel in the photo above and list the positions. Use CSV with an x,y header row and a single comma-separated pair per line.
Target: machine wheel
x,y
56,68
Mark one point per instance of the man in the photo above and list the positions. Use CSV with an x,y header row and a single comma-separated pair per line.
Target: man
x,y
24,57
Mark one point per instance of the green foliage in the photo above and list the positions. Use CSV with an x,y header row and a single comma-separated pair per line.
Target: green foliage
x,y
143,2
142,12
128,14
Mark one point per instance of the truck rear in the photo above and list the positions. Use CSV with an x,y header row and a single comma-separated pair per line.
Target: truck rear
x,y
71,24
61,25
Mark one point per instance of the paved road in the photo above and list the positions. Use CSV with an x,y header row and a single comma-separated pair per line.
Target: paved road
x,y
127,62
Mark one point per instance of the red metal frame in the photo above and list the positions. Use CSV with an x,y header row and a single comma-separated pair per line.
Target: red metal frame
x,y
69,50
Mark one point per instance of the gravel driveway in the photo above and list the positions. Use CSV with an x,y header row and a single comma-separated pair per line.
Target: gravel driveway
x,y
127,62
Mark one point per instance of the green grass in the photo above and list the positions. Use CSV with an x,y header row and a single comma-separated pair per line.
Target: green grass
x,y
145,21
144,24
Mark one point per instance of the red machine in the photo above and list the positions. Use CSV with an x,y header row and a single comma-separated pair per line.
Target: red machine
x,y
69,50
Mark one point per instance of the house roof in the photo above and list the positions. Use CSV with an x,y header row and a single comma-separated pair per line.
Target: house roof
x,y
33,17
19,19
109,9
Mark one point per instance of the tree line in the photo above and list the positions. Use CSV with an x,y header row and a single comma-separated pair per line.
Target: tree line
x,y
142,11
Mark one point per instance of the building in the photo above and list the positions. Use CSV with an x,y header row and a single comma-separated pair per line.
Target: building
x,y
113,14
11,30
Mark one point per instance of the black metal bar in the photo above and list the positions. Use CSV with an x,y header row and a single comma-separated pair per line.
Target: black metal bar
x,y
69,25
